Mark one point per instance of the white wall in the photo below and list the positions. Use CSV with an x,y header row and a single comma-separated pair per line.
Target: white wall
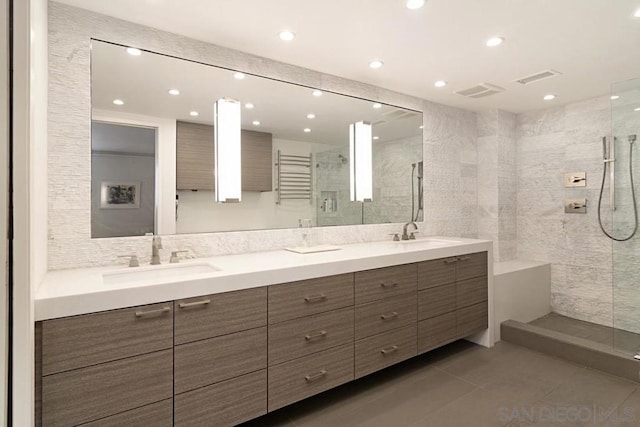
x,y
30,202
4,175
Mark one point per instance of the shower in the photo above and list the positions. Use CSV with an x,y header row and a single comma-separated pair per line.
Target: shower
x,y
420,190
608,156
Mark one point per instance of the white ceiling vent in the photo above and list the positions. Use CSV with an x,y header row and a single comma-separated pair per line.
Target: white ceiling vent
x,y
480,90
542,75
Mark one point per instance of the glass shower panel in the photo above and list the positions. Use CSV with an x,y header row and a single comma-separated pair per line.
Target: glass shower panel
x,y
625,126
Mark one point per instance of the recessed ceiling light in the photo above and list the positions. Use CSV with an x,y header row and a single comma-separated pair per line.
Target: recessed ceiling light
x,y
440,83
614,97
376,137
133,51
286,35
118,101
377,105
637,13
239,76
317,93
415,4
307,130
376,63
256,123
549,97
421,127
636,109
248,106
311,116
495,41
174,92
194,113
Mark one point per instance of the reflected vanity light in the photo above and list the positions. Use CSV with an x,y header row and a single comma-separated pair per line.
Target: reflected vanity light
x,y
227,172
361,162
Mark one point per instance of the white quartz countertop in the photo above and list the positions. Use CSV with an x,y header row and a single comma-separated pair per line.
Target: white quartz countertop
x,y
80,291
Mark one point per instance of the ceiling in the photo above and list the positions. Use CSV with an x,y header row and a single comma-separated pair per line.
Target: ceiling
x,y
593,43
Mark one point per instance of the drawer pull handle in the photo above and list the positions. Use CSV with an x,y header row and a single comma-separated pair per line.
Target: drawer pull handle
x,y
320,334
464,258
450,261
388,285
391,315
194,304
315,377
315,298
389,349
150,312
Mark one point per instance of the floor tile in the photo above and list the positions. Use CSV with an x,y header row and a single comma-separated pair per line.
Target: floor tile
x,y
589,388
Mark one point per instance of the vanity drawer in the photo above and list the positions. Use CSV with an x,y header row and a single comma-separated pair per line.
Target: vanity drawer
x,y
472,265
158,414
436,272
471,291
304,377
435,301
227,403
472,319
206,362
384,315
88,394
372,285
436,331
79,341
220,314
300,337
307,297
378,352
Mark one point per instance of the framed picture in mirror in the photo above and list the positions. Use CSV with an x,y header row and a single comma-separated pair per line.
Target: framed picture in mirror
x,y
120,195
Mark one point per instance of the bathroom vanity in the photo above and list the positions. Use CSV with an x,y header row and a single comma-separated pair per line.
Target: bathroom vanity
x,y
260,332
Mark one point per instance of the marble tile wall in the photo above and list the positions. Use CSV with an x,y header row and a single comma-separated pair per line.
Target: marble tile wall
x,y
496,182
550,143
449,142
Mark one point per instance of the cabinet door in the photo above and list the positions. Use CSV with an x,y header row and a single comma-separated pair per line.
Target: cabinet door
x,y
78,341
88,394
214,315
227,403
257,161
194,156
206,362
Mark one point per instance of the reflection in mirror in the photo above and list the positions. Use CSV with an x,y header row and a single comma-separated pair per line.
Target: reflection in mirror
x,y
295,144
122,180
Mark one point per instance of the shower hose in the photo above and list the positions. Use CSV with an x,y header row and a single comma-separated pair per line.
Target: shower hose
x,y
633,196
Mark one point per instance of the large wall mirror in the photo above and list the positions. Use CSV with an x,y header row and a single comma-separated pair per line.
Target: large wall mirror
x,y
153,156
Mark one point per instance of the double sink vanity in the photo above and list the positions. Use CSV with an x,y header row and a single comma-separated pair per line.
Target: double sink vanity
x,y
224,340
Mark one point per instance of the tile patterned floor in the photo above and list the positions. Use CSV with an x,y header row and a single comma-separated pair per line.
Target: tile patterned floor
x,y
464,385
624,341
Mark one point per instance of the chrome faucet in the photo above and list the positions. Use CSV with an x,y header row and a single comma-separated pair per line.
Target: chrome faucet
x,y
156,245
405,236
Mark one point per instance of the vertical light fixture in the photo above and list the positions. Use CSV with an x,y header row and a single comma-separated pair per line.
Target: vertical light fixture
x,y
227,170
361,161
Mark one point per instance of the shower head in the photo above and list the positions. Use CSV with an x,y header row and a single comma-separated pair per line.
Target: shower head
x,y
632,138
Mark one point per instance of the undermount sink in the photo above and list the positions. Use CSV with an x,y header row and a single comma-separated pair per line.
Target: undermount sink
x,y
157,273
427,241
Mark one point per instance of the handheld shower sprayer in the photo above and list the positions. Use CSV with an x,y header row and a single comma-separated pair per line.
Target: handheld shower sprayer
x,y
609,158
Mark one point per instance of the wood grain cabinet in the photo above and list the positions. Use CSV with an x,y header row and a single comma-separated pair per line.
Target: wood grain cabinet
x,y
98,365
452,299
195,158
226,358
